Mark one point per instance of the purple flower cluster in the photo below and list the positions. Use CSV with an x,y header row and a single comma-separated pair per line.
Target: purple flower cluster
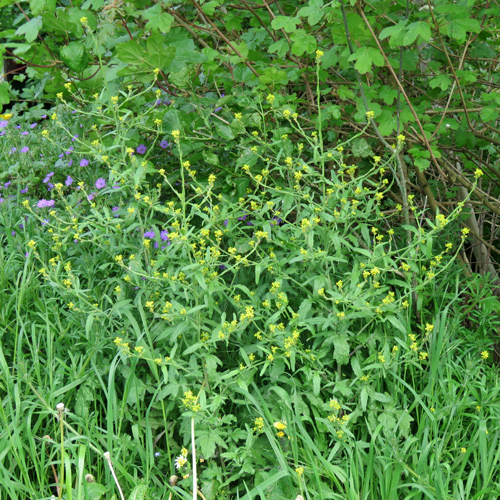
x,y
45,203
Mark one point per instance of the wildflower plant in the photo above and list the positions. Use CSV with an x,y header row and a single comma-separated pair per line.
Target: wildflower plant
x,y
246,296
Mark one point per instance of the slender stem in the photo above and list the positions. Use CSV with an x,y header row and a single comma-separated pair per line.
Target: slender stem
x,y
193,451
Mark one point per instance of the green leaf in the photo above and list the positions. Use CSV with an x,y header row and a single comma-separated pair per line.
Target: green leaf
x,y
207,443
157,55
313,12
489,113
31,28
302,42
138,493
280,47
224,131
365,57
442,81
4,93
274,75
387,122
74,56
361,148
415,30
39,6
341,349
158,20
395,32
289,24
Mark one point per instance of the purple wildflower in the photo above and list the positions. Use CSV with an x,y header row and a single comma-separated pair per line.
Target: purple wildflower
x,y
13,150
69,181
45,203
48,177
74,138
114,210
164,144
100,183
26,255
25,149
243,217
24,133
226,222
70,162
21,226
2,132
25,190
18,126
164,235
91,196
13,233
33,125
156,245
61,155
84,163
3,123
50,186
149,234
6,185
44,116
141,149
217,109
45,222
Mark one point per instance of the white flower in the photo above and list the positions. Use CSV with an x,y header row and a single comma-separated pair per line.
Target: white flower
x,y
180,461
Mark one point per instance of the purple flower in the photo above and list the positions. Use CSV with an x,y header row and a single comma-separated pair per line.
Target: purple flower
x,y
164,144
84,163
275,221
74,138
13,233
156,245
243,217
149,234
45,222
48,177
141,149
100,183
24,133
50,186
3,123
2,132
44,116
226,222
45,203
217,109
18,126
33,125
164,235
91,196
222,266
26,255
116,209
21,226
61,155
116,186
6,185
13,150
25,149
69,181
70,162
25,190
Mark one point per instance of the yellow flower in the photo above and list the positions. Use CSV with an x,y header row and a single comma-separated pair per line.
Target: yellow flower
x,y
299,471
370,114
32,244
478,173
485,355
83,20
176,134
463,450
401,137
280,425
319,54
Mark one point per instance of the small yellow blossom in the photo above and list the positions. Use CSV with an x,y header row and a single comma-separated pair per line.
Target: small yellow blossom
x,y
485,355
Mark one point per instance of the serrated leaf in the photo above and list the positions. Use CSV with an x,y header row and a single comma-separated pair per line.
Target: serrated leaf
x,y
74,56
39,6
280,47
302,42
361,148
442,81
31,28
287,23
415,30
313,12
365,57
396,34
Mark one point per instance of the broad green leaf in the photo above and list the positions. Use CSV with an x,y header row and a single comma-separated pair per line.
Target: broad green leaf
x,y
39,6
74,56
158,56
280,47
361,148
313,12
4,93
341,348
489,113
387,122
396,33
302,42
62,24
365,57
289,24
414,30
31,28
274,75
130,52
158,20
442,81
